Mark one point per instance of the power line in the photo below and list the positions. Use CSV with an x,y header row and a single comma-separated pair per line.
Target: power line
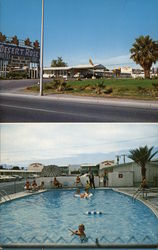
x,y
83,145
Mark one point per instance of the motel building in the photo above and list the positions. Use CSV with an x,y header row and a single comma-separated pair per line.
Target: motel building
x,y
87,167
129,174
69,72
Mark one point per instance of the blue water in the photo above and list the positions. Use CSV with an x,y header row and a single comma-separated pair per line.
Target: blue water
x,y
46,217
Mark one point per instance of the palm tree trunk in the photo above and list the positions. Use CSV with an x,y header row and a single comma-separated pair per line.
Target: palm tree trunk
x,y
147,73
143,171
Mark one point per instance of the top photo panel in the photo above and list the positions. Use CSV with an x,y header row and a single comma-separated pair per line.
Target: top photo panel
x,y
79,61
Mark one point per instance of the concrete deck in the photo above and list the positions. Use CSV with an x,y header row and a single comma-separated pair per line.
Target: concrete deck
x,y
19,195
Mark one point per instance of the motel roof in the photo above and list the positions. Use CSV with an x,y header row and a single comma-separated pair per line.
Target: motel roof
x,y
80,66
58,68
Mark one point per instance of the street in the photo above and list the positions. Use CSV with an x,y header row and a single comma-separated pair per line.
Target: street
x,y
31,108
18,107
15,85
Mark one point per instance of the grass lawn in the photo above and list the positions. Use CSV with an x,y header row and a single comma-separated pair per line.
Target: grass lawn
x,y
127,88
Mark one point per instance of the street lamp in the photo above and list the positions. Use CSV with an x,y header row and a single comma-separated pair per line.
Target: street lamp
x,y
41,52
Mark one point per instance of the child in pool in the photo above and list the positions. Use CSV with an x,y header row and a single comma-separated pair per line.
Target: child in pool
x,y
80,232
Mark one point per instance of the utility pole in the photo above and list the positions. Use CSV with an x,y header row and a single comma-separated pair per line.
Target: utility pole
x,y
124,158
41,54
118,158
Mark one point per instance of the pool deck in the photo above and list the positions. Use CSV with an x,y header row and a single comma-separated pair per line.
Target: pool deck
x,y
151,201
18,195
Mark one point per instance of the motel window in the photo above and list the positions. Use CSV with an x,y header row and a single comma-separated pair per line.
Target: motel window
x,y
120,175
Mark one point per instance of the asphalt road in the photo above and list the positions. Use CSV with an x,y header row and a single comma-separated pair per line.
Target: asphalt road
x,y
23,108
14,85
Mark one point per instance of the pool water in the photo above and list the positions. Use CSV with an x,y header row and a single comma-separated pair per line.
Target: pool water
x,y
46,217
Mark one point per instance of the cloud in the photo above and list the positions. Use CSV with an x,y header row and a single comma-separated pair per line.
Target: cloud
x,y
20,142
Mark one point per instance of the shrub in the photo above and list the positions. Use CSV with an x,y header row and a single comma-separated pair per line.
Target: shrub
x,y
154,91
155,85
122,89
108,91
48,86
142,90
99,87
17,75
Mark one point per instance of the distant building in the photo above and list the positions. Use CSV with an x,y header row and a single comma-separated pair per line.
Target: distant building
x,y
86,168
103,166
65,170
35,167
73,70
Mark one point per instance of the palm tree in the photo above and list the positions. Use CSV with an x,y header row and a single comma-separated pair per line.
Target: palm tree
x,y
27,42
142,156
15,40
143,53
36,44
2,37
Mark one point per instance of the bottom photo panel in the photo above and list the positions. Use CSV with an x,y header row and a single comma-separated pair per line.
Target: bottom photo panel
x,y
79,185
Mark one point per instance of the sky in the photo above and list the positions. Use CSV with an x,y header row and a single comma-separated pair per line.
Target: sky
x,y
77,30
72,143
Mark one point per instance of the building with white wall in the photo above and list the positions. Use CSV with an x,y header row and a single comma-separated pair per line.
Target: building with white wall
x,y
72,70
129,174
35,167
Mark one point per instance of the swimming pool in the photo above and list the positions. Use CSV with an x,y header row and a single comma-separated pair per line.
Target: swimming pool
x,y
46,217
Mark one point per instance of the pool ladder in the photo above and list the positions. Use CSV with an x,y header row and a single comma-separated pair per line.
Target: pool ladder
x,y
4,195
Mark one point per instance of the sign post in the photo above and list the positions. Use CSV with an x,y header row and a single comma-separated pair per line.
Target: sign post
x,y
41,55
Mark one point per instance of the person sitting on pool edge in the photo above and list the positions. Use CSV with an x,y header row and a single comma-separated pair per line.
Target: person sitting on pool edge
x,y
144,183
27,186
80,232
34,185
141,188
57,183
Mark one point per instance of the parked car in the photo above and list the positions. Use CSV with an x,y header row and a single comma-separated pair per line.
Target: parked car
x,y
18,177
78,75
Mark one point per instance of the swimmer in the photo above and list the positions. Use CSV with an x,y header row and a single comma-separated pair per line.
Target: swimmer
x,y
78,191
80,232
85,195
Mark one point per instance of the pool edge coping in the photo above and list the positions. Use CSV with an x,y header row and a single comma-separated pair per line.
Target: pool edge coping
x,y
145,202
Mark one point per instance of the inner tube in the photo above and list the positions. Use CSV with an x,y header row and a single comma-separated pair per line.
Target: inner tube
x,y
78,195
93,212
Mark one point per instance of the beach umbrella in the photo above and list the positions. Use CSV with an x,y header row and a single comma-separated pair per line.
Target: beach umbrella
x,y
51,171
